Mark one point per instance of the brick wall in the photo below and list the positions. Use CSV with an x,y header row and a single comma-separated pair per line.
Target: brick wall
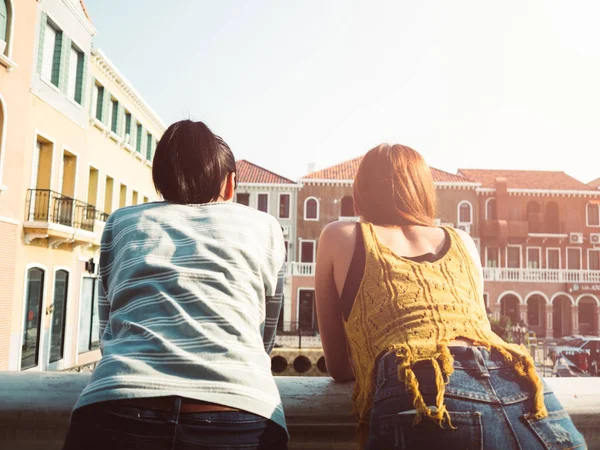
x,y
8,250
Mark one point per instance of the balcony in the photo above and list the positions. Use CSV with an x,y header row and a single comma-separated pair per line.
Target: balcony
x,y
301,269
60,219
35,408
505,229
541,275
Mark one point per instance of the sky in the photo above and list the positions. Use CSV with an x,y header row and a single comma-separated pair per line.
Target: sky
x,y
468,83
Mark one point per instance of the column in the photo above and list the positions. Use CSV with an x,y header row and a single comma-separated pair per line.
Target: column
x,y
523,312
574,319
597,324
549,329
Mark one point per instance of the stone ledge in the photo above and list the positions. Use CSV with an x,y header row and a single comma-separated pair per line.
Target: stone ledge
x,y
35,409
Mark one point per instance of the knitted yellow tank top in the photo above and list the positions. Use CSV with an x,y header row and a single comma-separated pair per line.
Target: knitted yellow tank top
x,y
416,309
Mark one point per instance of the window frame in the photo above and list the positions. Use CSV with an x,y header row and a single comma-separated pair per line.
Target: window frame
x,y
539,251
59,33
460,204
587,215
318,207
559,250
95,295
289,208
79,66
589,252
487,211
580,257
65,314
6,56
237,196
40,337
487,258
258,197
314,252
520,247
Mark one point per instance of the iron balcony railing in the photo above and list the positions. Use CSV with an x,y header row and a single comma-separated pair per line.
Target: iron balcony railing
x,y
45,205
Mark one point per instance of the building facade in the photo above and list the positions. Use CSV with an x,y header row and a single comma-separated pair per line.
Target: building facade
x,y
84,148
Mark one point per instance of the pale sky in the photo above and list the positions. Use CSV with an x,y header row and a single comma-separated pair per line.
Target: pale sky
x,y
512,84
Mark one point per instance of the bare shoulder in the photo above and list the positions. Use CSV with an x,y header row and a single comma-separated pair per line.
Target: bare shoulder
x,y
469,243
339,231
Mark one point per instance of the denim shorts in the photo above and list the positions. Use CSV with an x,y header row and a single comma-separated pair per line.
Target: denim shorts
x,y
114,426
488,402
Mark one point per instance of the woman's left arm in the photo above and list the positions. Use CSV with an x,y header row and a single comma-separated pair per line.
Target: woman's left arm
x,y
329,311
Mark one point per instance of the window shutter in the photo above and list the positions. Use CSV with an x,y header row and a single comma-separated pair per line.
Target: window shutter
x,y
81,75
43,20
57,59
92,95
3,21
133,133
106,107
65,59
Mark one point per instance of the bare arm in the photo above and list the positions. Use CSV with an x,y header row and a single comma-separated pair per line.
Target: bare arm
x,y
329,311
472,249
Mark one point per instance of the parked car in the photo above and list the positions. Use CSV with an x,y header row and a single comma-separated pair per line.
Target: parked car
x,y
584,351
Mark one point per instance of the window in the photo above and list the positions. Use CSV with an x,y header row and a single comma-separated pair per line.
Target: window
x,y
534,257
284,206
594,259
149,143
534,307
59,315
138,138
513,257
34,298
573,258
311,209
593,214
51,56
89,325
75,76
127,127
465,212
108,195
263,203
553,258
5,23
145,199
134,198
307,251
114,115
347,206
492,257
490,209
243,199
99,102
123,196
286,244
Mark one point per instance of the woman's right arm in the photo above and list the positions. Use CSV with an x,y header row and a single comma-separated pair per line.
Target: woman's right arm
x,y
329,311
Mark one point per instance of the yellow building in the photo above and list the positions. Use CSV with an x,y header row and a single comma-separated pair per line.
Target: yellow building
x,y
82,145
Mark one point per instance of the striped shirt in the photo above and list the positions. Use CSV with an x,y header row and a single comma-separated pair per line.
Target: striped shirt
x,y
189,302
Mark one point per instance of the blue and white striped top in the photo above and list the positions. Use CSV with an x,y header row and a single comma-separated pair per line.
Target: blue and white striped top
x,y
189,301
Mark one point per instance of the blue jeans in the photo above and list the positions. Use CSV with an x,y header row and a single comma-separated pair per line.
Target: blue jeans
x,y
488,403
114,426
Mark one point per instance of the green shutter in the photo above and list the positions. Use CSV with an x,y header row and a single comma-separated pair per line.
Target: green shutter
x,y
3,21
105,107
133,138
43,22
99,102
139,137
81,74
57,59
149,147
121,120
65,52
92,93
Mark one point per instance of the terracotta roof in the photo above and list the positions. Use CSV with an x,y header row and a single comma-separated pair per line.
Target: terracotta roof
x,y
595,184
251,173
526,179
347,171
85,10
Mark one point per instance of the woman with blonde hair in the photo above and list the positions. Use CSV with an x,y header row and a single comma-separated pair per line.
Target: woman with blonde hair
x,y
401,311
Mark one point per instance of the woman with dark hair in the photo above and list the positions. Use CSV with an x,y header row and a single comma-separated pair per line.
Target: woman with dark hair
x,y
401,310
190,293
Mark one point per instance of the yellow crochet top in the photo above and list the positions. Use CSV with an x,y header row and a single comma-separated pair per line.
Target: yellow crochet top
x,y
415,309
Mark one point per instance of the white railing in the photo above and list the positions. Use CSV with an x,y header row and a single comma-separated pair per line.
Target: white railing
x,y
301,269
541,275
349,218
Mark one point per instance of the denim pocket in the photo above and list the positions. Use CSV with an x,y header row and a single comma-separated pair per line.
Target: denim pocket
x,y
557,431
397,432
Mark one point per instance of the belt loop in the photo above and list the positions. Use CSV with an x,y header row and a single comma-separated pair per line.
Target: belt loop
x,y
480,362
175,411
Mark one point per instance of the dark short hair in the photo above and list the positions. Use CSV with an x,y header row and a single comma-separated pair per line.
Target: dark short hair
x,y
191,164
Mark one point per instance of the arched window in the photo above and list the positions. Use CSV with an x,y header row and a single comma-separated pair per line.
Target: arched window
x,y
6,26
552,218
347,206
34,297
311,209
59,315
465,212
593,214
490,209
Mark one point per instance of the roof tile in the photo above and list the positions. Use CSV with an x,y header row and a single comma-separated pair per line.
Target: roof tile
x,y
248,172
347,171
526,179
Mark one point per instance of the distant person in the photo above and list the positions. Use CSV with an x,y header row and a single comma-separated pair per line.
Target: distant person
x,y
401,311
191,289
